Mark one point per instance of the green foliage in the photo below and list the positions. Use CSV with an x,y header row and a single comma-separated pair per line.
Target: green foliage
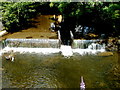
x,y
112,10
16,15
112,13
102,16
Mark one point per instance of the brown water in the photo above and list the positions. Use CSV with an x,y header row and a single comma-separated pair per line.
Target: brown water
x,y
56,71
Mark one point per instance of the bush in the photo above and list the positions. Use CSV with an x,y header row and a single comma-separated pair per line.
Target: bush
x,y
16,16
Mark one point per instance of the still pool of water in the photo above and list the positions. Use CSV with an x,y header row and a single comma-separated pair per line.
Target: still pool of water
x,y
55,71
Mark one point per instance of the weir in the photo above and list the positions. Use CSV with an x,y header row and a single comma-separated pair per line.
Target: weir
x,y
33,43
47,46
88,44
54,46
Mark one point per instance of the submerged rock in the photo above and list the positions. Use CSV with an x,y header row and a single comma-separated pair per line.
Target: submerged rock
x,y
105,54
1,69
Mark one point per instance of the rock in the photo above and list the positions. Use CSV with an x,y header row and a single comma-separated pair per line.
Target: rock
x,y
1,69
29,37
105,54
2,33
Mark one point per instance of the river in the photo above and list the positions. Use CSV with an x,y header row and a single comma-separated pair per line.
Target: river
x,y
31,70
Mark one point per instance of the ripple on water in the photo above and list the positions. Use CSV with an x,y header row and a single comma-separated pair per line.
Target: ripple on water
x,y
55,71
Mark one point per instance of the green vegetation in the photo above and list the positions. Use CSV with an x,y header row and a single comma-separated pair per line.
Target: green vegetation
x,y
17,15
103,16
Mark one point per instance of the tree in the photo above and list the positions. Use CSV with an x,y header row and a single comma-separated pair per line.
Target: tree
x,y
104,17
17,15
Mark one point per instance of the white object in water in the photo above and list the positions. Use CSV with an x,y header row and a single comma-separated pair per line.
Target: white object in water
x,y
82,84
52,25
66,50
10,57
3,32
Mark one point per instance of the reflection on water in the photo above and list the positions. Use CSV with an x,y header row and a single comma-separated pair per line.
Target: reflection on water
x,y
55,71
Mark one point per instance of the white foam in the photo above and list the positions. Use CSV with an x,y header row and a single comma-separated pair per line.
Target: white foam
x,y
66,50
87,51
32,50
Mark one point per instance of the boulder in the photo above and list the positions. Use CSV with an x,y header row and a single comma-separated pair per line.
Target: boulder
x,y
2,33
105,54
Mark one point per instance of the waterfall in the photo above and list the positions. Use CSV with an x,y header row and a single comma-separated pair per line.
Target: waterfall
x,y
79,44
2,44
66,50
46,46
96,46
33,43
87,44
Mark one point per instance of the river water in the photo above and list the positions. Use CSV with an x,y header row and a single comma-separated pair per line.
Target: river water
x,y
37,70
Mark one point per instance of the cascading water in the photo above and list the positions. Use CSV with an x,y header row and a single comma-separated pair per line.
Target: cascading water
x,y
88,46
66,50
96,46
44,46
33,43
82,44
53,46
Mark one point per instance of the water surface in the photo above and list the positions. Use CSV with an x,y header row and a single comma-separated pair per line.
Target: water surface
x,y
55,71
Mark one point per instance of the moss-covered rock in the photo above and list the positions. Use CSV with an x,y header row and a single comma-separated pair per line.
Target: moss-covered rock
x,y
105,54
